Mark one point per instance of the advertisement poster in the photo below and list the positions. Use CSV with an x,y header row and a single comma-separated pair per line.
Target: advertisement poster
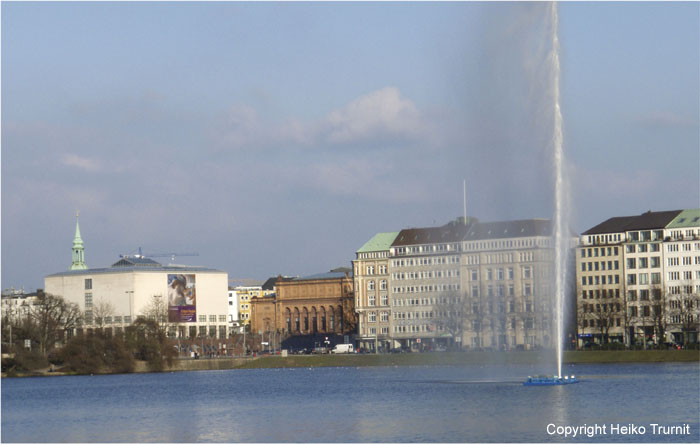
x,y
182,298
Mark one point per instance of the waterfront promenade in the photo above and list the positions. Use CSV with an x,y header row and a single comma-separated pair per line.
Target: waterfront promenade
x,y
413,359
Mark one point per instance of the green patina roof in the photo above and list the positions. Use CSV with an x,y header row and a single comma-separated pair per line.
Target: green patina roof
x,y
379,242
686,218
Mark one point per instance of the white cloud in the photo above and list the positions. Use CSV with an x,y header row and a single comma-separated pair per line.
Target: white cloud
x,y
665,119
83,163
375,115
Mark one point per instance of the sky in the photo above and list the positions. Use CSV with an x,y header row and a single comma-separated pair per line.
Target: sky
x,y
277,138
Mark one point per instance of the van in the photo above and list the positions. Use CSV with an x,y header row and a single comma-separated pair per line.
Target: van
x,y
343,348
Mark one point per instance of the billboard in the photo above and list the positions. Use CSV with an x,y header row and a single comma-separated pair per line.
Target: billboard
x,y
182,298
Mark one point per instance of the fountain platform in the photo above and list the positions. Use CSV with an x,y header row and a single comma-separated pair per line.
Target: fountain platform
x,y
550,380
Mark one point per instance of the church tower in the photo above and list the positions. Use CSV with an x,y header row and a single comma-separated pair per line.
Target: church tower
x,y
78,250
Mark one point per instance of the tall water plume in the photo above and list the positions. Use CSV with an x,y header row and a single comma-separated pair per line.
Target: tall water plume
x,y
561,207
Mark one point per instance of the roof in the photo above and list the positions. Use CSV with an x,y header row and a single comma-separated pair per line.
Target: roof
x,y
135,261
431,235
321,276
379,242
474,231
646,221
270,283
138,264
509,229
686,218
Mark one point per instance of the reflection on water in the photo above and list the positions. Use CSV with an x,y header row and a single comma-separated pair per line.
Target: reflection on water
x,y
385,404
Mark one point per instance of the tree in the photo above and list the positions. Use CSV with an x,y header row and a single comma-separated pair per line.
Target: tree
x,y
684,311
659,312
51,316
450,316
147,340
157,311
97,353
103,309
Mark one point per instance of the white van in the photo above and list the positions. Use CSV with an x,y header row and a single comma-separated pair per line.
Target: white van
x,y
343,348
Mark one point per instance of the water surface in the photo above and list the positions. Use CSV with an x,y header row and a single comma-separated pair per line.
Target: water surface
x,y
378,404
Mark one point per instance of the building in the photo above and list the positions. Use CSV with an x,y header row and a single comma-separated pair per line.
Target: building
x,y
468,284
245,295
111,298
16,304
233,316
321,303
371,284
638,279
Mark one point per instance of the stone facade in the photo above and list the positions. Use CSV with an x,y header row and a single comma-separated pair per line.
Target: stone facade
x,y
322,303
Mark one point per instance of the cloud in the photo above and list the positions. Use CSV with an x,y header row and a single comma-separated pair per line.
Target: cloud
x,y
371,118
375,115
665,119
83,163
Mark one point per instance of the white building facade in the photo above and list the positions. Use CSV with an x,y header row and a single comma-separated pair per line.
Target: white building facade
x,y
112,298
638,279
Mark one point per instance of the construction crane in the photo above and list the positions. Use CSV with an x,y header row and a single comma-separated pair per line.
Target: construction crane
x,y
170,255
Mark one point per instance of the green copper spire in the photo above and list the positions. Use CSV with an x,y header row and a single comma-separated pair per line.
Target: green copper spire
x,y
78,250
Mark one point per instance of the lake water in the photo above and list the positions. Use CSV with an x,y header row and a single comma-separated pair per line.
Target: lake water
x,y
378,404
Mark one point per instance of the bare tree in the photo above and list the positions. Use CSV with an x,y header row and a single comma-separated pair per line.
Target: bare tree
x,y
451,314
157,311
51,316
102,310
684,311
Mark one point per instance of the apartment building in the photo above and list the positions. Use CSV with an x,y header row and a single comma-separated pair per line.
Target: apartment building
x,y
371,284
471,285
638,279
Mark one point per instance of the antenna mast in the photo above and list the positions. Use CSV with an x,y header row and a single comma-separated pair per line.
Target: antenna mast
x,y
465,201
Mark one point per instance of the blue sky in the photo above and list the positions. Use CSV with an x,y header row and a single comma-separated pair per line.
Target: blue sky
x,y
276,138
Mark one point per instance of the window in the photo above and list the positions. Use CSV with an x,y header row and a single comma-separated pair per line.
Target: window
x,y
655,278
88,300
631,263
526,273
385,299
370,285
222,318
510,274
475,275
643,262
371,300
372,316
382,284
631,248
527,290
88,284
384,316
643,278
202,318
489,274
632,279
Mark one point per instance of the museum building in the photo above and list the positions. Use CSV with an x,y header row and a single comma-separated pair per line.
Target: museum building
x,y
112,298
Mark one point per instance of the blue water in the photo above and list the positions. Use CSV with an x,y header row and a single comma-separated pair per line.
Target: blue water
x,y
381,404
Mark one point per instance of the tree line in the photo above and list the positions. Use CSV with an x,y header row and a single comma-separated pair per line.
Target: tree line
x,y
37,338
